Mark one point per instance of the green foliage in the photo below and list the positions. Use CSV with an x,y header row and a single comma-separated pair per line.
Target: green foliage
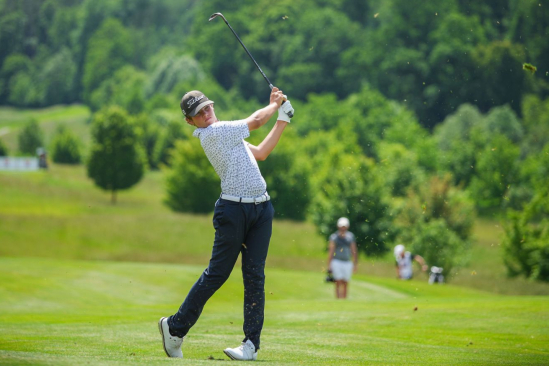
x,y
503,59
58,78
30,138
399,168
109,49
288,178
65,147
457,126
116,160
436,222
192,183
503,120
535,118
3,149
526,241
149,133
496,170
125,89
172,131
347,185
168,69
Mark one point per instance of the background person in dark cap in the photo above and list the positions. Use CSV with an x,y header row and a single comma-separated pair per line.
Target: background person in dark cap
x,y
242,219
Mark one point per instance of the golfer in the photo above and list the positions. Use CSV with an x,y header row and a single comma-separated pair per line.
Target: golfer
x,y
342,246
404,262
242,217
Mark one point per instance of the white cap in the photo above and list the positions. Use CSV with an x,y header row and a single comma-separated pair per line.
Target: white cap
x,y
399,249
343,221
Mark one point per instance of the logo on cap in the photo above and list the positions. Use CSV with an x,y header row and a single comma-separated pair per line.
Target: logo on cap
x,y
194,100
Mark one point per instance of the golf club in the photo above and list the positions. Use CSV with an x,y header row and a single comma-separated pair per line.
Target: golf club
x,y
215,15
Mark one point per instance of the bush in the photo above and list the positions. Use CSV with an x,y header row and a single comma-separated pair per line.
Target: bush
x,y
117,160
3,149
65,147
526,241
346,184
438,245
287,174
30,138
436,221
192,184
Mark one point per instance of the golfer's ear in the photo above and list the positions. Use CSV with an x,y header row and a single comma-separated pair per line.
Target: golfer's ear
x,y
189,121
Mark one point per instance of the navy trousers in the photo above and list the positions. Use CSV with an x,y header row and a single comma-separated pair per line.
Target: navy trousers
x,y
239,228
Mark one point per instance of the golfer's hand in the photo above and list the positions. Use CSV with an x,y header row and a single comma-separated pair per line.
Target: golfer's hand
x,y
276,96
424,268
285,111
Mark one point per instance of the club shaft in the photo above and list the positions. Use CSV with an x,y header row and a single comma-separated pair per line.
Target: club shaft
x,y
249,54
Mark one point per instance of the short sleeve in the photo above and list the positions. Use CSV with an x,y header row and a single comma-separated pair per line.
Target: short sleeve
x,y
352,237
333,237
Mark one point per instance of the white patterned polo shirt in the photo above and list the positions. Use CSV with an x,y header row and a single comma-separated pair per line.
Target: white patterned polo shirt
x,y
224,145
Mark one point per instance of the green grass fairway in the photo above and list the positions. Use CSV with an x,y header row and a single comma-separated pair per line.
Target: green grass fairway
x,y
55,312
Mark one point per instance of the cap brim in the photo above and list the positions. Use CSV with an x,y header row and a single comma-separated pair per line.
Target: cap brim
x,y
199,107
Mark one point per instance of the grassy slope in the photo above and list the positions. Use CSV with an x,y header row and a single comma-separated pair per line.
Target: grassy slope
x,y
59,213
60,312
74,116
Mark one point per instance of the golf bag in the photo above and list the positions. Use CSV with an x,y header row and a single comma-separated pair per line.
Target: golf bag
x,y
436,275
329,276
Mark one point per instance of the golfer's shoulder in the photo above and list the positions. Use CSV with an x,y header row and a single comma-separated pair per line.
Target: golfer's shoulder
x,y
223,127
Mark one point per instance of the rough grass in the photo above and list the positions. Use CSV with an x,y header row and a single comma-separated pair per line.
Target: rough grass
x,y
57,312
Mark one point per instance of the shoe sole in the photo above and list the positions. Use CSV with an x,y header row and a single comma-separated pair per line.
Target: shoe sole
x,y
229,355
235,359
162,335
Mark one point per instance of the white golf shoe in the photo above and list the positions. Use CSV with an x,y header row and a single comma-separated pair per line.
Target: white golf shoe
x,y
245,352
172,345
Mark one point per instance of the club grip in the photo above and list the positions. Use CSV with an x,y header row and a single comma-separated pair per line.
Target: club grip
x,y
291,115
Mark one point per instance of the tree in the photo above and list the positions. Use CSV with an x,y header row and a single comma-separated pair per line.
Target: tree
x,y
535,117
31,138
3,149
496,171
500,75
58,78
168,69
526,241
346,184
192,182
124,88
109,49
436,221
117,160
287,174
399,167
65,147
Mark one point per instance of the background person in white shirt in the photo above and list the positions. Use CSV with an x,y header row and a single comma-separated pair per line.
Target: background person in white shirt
x,y
404,262
242,218
341,248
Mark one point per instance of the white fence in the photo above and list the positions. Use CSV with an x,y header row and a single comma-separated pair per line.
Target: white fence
x,y
18,163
